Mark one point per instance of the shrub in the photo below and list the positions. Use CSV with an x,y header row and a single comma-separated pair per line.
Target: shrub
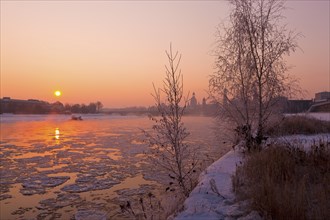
x,y
299,125
286,182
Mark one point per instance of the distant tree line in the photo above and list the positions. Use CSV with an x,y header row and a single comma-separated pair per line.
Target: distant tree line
x,y
93,107
33,106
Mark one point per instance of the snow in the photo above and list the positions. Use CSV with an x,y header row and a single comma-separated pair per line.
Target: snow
x,y
213,197
304,142
323,116
90,214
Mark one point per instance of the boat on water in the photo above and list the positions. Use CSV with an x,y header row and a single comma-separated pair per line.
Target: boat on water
x,y
76,118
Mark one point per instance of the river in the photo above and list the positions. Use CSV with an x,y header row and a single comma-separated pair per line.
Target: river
x,y
53,167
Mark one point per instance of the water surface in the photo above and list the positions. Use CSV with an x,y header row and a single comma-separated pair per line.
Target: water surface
x,y
53,167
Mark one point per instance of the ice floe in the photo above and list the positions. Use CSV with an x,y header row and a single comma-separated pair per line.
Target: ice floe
x,y
62,200
37,184
90,186
90,215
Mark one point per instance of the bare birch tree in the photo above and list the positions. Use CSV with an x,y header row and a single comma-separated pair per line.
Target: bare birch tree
x,y
169,150
251,71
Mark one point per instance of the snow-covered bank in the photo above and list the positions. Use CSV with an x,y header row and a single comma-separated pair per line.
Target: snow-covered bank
x,y
323,116
213,197
304,142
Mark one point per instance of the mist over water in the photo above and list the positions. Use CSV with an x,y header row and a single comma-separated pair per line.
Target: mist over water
x,y
52,166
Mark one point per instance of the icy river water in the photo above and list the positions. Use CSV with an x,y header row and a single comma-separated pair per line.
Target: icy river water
x,y
55,168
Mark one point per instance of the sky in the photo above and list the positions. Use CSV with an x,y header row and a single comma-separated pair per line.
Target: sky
x,y
113,51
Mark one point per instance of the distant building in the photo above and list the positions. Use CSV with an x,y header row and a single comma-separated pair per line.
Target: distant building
x,y
319,104
193,101
322,96
204,102
297,106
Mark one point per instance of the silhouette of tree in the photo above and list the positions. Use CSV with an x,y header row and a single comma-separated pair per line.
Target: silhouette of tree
x,y
67,107
91,108
57,107
75,108
99,106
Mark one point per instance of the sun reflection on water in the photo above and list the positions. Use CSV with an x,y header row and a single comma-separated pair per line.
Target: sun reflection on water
x,y
57,133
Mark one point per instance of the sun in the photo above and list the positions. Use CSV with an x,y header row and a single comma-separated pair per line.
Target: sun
x,y
57,93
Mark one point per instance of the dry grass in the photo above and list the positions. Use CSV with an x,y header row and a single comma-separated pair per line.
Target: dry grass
x,y
299,125
151,207
287,183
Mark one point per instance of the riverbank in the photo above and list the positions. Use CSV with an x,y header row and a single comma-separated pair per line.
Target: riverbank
x,y
213,197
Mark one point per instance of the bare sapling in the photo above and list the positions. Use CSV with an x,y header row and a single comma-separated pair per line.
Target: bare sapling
x,y
169,150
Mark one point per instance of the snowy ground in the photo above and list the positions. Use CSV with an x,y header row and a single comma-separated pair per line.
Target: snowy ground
x,y
324,116
213,197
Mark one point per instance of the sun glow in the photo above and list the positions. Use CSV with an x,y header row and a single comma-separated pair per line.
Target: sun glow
x,y
57,93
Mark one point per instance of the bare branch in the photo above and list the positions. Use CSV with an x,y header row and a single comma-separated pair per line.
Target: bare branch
x,y
169,151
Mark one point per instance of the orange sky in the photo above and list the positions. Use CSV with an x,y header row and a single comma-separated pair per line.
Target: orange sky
x,y
112,51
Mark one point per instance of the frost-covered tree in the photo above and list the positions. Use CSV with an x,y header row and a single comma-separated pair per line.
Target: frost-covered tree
x,y
251,71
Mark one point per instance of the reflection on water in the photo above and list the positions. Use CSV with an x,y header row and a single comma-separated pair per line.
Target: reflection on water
x,y
52,166
57,133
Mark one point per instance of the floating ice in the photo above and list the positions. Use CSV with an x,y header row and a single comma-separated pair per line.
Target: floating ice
x,y
90,214
85,179
32,191
20,211
62,200
37,185
49,214
45,181
37,159
77,188
95,161
90,186
5,196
